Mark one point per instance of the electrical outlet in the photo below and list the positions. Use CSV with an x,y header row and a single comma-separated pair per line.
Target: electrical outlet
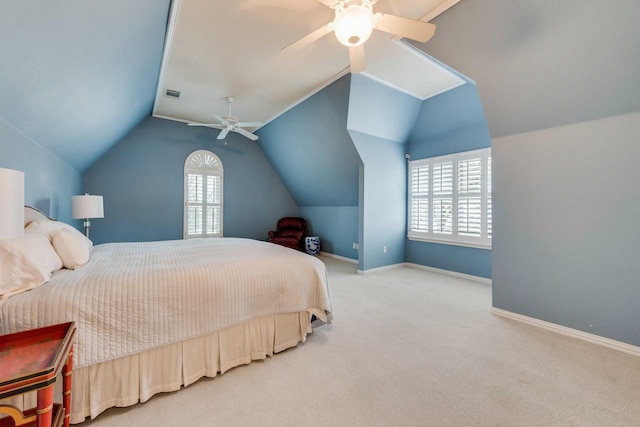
x,y
356,246
384,249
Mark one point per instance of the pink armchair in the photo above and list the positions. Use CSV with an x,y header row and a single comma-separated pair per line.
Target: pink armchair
x,y
289,232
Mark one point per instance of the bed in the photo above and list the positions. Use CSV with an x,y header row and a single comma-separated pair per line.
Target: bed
x,y
154,316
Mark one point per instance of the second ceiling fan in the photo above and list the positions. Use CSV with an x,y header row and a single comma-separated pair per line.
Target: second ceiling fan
x,y
355,21
230,124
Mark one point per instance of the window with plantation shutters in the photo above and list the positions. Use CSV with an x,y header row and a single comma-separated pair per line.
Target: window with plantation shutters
x,y
419,208
450,199
203,179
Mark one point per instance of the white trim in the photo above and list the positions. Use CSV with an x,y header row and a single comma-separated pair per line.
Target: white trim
x,y
450,273
449,242
342,258
215,170
383,268
483,280
574,333
171,28
426,170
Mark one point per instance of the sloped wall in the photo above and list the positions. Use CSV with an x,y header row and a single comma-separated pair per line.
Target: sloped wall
x,y
49,182
312,152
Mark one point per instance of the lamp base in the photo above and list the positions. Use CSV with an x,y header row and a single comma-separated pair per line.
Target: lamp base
x,y
87,224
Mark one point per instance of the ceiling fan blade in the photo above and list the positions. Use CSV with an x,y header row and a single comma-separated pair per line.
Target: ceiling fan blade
x,y
207,125
246,134
221,119
405,27
356,58
249,124
223,133
308,39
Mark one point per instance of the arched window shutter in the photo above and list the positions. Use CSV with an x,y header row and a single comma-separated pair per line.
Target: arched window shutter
x,y
203,195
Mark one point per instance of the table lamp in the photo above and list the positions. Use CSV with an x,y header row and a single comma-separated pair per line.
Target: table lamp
x,y
86,207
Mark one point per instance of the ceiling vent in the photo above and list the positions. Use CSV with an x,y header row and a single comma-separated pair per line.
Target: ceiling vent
x,y
172,93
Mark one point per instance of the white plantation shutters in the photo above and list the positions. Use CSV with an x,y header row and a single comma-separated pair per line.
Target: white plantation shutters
x,y
470,196
454,193
419,207
203,179
442,213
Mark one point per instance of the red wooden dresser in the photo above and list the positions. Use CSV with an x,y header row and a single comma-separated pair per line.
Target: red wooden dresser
x,y
31,360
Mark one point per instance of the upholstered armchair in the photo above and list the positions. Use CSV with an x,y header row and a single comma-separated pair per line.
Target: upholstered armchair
x,y
289,232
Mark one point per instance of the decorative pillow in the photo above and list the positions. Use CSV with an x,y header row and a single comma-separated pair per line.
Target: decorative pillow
x,y
72,249
26,263
49,228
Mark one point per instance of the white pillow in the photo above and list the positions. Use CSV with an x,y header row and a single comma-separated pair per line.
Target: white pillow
x,y
49,228
72,249
26,263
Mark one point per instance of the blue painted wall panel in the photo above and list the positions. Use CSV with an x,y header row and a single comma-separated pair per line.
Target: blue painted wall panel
x,y
141,180
473,261
378,110
451,122
78,76
380,120
337,227
49,181
383,214
311,150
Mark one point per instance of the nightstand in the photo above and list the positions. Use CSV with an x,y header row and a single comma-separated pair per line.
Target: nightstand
x,y
31,360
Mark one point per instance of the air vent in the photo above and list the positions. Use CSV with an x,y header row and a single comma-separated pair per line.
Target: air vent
x,y
172,93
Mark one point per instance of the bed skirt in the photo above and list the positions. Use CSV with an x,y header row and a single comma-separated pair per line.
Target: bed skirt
x,y
132,379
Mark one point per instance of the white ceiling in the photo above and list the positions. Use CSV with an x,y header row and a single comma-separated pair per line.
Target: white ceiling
x,y
219,48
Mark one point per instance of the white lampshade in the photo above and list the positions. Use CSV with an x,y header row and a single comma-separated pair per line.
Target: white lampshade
x,y
87,206
353,25
11,203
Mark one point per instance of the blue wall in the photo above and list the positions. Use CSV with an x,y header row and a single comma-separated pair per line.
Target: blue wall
x,y
566,245
77,76
311,150
380,120
451,122
49,181
383,210
141,179
337,227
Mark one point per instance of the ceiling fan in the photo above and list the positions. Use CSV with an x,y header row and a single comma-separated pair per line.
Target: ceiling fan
x,y
353,24
230,124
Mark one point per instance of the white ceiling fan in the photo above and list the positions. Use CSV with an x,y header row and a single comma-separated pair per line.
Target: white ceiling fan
x,y
230,124
353,24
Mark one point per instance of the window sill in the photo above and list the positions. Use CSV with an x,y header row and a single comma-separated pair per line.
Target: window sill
x,y
450,242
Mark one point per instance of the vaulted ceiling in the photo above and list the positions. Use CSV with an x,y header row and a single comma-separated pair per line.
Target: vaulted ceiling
x,y
217,49
77,76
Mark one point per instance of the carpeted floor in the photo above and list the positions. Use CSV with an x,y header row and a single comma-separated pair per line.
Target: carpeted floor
x,y
410,348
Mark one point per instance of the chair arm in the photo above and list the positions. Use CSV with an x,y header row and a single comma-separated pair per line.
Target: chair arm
x,y
273,234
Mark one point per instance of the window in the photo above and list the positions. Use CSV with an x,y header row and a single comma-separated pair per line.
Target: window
x,y
203,182
450,199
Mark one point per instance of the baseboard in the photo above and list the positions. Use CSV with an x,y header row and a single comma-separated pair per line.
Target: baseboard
x,y
383,268
574,333
342,258
450,273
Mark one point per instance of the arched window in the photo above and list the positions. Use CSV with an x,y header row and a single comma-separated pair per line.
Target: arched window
x,y
203,183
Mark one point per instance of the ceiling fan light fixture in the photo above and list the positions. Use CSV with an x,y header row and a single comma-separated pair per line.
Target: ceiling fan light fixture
x,y
353,25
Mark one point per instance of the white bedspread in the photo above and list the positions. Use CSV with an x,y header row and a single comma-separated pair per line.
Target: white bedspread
x,y
132,297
